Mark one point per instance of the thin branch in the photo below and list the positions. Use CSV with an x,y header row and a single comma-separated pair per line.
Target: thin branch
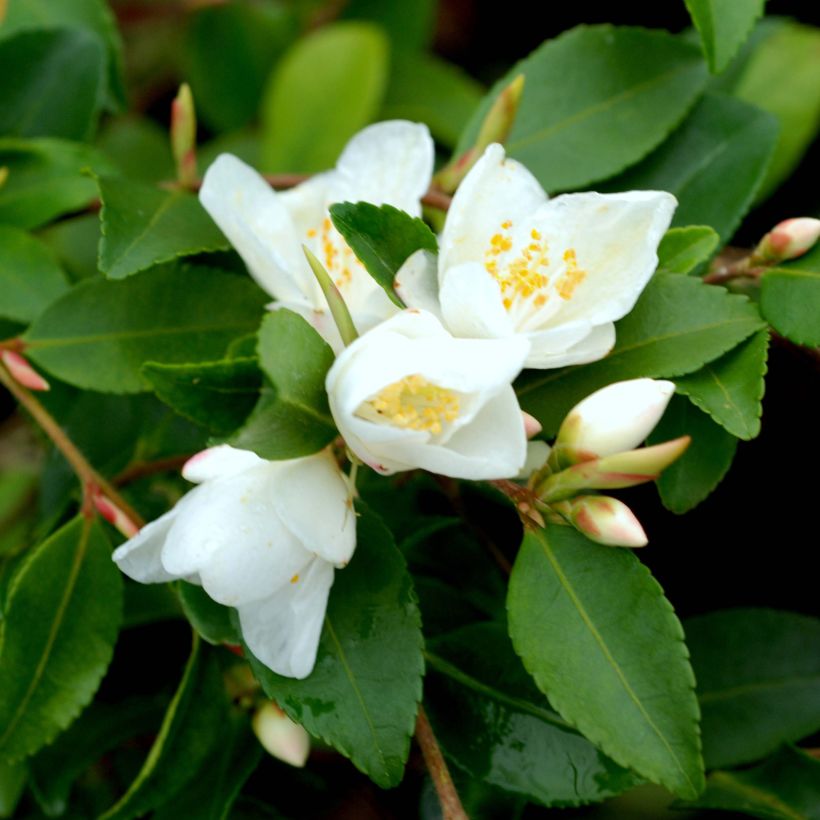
x,y
451,808
147,468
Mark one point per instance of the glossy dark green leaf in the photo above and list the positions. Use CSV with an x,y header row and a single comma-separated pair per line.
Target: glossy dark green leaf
x,y
46,179
30,277
139,147
58,83
597,99
149,603
327,87
497,726
723,25
100,334
595,631
790,298
61,619
363,693
74,242
143,226
410,25
292,417
210,619
785,787
217,395
13,777
730,389
683,249
677,326
190,732
714,163
758,673
382,237
704,464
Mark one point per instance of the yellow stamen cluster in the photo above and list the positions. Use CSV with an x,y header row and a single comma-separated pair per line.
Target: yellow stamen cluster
x,y
413,404
337,265
571,277
522,277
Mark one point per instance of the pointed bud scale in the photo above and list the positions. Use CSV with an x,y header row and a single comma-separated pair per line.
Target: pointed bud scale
x,y
22,372
532,427
604,520
183,136
4,175
787,240
335,300
280,736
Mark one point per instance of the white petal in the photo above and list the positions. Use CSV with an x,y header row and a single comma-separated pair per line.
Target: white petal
x,y
593,345
218,462
537,454
471,303
494,192
416,283
283,630
140,557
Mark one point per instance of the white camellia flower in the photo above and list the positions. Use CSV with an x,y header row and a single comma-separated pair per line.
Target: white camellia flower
x,y
557,271
387,163
407,395
261,536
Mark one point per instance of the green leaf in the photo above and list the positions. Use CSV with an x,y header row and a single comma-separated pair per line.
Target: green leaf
x,y
730,389
13,777
217,395
477,688
596,100
30,278
363,693
210,619
723,26
677,326
57,88
57,636
758,673
191,730
149,603
410,25
683,249
292,417
143,226
140,148
781,77
702,467
382,237
785,787
326,88
74,242
424,88
46,179
100,334
595,631
714,163
790,298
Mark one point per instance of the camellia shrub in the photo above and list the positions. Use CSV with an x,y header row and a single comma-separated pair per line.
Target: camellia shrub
x,y
328,373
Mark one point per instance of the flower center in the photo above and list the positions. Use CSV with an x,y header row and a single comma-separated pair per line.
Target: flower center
x,y
412,403
338,259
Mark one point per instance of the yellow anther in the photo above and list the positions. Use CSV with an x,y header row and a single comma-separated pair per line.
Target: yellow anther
x,y
295,578
535,234
311,233
571,277
507,224
520,277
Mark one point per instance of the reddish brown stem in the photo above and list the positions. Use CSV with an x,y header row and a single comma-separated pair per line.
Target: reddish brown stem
x,y
451,808
148,468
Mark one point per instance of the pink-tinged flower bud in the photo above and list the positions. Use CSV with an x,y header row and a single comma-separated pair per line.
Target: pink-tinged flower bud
x,y
604,520
612,420
183,136
532,427
114,515
22,372
787,240
280,736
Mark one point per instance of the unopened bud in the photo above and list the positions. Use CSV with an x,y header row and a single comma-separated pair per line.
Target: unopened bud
x,y
183,136
611,420
22,372
787,240
532,427
604,520
280,736
335,300
114,515
4,170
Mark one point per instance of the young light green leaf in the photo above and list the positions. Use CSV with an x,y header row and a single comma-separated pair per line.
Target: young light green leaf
x,y
758,673
382,237
707,459
595,631
714,163
730,389
61,619
410,25
210,619
30,278
292,417
683,249
594,122
723,26
477,688
677,326
100,333
143,226
326,88
790,298
218,395
363,693
58,83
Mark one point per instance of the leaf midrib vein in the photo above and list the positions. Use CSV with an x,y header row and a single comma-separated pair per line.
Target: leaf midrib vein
x,y
757,686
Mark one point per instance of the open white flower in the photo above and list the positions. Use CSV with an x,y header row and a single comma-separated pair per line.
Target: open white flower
x,y
407,394
387,163
557,271
261,536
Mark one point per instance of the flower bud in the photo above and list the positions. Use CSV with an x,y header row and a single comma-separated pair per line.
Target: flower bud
x,y
22,372
280,736
604,520
612,420
4,175
787,240
183,136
